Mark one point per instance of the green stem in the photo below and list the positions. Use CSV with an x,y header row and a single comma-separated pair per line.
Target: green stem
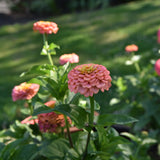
x,y
91,118
137,67
68,132
46,46
30,107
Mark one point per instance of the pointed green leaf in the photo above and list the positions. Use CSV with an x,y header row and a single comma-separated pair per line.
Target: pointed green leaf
x,y
44,50
56,149
39,70
26,152
110,119
52,47
131,136
40,108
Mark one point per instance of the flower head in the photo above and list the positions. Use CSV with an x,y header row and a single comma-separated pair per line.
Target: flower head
x,y
24,91
88,79
157,67
51,122
29,120
50,104
72,58
45,27
131,48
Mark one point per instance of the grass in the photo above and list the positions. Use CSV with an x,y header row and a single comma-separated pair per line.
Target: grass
x,y
97,37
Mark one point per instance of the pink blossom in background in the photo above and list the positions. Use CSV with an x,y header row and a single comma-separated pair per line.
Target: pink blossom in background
x,y
131,48
72,58
29,120
45,27
51,122
24,91
88,79
157,67
158,36
50,104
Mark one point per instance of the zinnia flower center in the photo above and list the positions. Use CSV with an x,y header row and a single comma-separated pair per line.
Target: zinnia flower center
x,y
89,68
24,86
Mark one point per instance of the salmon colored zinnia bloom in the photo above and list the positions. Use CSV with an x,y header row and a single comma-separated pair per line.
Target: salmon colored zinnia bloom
x,y
72,58
131,48
45,27
29,120
157,67
88,79
51,122
25,91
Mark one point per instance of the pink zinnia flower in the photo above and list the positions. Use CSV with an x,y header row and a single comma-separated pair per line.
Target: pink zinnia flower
x,y
50,104
158,36
29,120
88,79
51,122
157,67
72,58
25,91
45,27
131,48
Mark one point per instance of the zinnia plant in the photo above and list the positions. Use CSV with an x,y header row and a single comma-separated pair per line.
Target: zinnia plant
x,y
135,58
66,126
45,28
89,79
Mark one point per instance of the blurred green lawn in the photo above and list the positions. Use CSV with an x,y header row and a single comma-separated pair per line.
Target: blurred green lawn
x,y
97,37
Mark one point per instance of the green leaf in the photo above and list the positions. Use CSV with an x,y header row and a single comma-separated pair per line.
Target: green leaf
x,y
49,49
40,108
72,155
149,141
39,70
11,148
56,150
74,98
131,136
81,142
44,51
110,119
2,145
52,48
26,152
76,113
18,130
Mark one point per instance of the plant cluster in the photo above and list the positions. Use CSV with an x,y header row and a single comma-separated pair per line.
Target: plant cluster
x,y
63,116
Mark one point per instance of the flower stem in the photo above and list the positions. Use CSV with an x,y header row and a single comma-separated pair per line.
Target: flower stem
x,y
137,67
91,118
46,46
30,107
68,132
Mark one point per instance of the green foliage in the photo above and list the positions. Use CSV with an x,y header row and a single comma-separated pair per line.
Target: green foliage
x,y
49,49
134,95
